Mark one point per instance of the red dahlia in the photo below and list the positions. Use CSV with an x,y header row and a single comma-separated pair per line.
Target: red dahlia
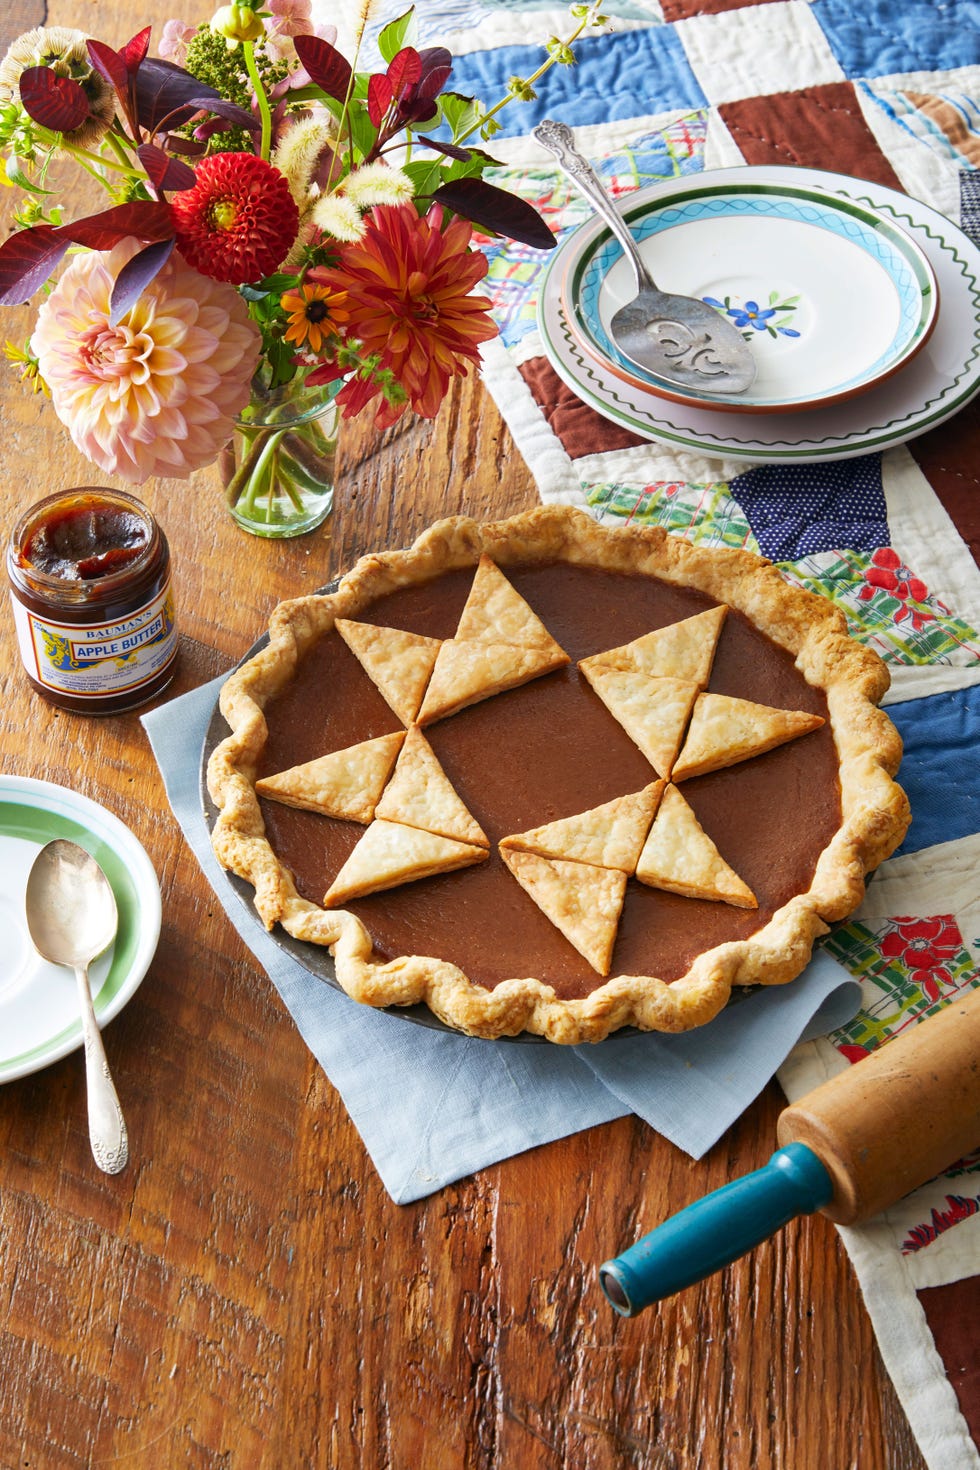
x,y
238,221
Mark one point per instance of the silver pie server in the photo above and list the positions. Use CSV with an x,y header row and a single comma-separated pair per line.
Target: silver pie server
x,y
72,918
677,338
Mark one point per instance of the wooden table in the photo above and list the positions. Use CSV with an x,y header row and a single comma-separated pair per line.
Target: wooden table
x,y
246,1294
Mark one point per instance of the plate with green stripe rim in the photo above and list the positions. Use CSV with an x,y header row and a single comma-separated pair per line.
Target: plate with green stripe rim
x,y
939,380
38,1005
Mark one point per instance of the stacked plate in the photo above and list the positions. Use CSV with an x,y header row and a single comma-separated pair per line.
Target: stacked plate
x,y
861,305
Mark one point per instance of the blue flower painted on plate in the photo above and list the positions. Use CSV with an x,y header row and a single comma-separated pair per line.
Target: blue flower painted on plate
x,y
750,317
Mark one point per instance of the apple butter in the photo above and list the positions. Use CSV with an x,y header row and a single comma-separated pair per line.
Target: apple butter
x,y
90,582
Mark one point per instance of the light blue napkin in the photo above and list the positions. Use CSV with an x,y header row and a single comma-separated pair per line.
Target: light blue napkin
x,y
432,1107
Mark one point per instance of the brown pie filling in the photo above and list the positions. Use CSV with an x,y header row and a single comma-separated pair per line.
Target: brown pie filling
x,y
547,750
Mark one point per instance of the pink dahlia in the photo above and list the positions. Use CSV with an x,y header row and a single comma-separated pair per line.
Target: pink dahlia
x,y
238,221
158,393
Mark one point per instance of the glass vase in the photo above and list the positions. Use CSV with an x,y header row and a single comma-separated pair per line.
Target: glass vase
x,y
278,468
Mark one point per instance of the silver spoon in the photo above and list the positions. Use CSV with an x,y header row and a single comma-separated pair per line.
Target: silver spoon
x,y
677,338
71,917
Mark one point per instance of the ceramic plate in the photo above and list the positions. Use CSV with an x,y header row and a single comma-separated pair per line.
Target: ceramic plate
x,y
38,1007
832,296
942,376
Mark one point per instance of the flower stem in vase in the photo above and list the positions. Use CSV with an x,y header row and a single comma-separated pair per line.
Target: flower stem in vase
x,y
278,473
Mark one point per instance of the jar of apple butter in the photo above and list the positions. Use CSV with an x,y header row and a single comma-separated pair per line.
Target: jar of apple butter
x,y
90,584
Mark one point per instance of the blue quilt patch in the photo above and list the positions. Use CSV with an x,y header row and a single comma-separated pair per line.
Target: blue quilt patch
x,y
879,38
940,770
799,510
620,76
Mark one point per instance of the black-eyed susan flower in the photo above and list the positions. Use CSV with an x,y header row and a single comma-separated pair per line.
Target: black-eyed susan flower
x,y
314,312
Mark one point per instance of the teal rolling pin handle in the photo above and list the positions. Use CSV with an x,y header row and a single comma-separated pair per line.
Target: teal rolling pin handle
x,y
716,1230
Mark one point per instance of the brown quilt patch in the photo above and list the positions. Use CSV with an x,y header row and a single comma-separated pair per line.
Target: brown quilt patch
x,y
684,9
809,129
579,428
951,1312
947,456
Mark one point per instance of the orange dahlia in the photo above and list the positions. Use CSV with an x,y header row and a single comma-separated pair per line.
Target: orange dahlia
x,y
238,221
408,283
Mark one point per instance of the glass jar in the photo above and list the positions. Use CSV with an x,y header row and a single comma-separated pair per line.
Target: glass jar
x,y
90,584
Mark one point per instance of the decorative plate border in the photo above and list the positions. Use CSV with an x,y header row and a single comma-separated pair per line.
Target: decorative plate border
x,y
896,251
947,377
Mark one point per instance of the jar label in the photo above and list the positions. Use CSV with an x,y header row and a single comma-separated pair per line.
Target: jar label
x,y
91,660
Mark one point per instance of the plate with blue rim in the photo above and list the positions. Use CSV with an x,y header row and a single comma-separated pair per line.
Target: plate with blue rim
x,y
39,1021
832,295
927,387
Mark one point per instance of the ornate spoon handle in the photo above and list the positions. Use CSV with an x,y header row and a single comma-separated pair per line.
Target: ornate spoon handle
x,y
106,1124
558,139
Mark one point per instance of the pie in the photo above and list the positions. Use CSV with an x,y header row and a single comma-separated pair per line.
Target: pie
x,y
547,777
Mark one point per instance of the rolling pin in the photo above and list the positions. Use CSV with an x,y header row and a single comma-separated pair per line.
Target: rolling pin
x,y
849,1149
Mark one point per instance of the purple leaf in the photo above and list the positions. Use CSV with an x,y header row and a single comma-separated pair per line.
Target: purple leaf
x,y
109,64
162,88
230,111
135,276
134,52
58,103
163,171
418,110
189,147
326,66
437,63
496,210
451,150
145,218
27,260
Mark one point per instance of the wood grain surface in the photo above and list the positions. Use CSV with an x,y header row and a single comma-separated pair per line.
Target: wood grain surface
x,y
246,1295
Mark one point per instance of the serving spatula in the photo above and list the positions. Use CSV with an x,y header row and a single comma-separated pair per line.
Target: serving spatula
x,y
676,338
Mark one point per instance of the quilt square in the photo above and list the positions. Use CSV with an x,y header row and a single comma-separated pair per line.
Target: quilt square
x,y
631,74
756,50
879,38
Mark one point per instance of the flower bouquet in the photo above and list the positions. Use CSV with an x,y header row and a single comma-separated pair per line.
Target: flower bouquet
x,y
288,239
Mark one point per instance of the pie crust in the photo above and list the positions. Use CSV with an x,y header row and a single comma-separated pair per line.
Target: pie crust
x,y
578,876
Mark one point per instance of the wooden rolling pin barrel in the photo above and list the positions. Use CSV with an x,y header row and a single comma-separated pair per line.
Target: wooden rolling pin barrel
x,y
849,1149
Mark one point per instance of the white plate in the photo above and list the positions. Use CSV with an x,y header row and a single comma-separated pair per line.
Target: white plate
x,y
832,296
942,377
38,1005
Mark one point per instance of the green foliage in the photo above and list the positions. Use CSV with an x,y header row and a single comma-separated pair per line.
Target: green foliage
x,y
397,34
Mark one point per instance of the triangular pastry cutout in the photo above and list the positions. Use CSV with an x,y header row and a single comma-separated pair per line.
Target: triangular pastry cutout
x,y
653,712
725,730
389,854
679,856
347,783
608,836
420,794
468,671
399,663
582,901
684,650
495,612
